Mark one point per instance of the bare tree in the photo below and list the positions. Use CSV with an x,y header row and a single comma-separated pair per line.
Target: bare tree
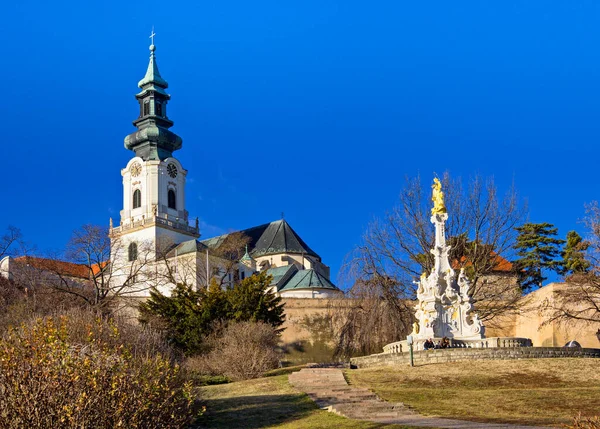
x,y
579,299
374,312
11,238
227,256
97,269
198,266
395,251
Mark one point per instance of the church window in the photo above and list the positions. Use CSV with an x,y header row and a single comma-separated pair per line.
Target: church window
x,y
172,200
146,108
133,252
242,274
158,108
137,199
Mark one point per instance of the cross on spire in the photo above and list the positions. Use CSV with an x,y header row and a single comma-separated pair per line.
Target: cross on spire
x,y
152,35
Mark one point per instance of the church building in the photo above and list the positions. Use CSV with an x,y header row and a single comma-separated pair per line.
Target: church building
x,y
155,232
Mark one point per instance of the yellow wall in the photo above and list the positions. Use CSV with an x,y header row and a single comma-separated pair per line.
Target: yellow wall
x,y
526,324
529,323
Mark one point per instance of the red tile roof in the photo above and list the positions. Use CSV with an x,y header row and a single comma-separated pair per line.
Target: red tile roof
x,y
501,264
62,267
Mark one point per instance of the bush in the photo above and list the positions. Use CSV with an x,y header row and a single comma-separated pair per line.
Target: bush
x,y
141,341
48,380
239,351
188,315
580,422
19,304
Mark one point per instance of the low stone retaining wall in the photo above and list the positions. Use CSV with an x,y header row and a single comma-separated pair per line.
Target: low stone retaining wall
x,y
453,355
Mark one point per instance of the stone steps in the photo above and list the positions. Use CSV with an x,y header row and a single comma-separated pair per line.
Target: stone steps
x,y
328,388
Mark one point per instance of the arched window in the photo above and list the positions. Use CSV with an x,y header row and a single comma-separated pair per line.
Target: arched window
x,y
137,199
146,108
172,199
133,251
158,109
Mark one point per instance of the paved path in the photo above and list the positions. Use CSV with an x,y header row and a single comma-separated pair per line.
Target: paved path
x,y
328,388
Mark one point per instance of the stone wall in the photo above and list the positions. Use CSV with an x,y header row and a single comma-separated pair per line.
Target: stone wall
x,y
453,355
529,322
298,311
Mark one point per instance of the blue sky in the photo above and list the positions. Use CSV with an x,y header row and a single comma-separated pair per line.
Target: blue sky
x,y
316,109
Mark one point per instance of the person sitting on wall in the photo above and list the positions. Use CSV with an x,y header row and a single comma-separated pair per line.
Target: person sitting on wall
x,y
428,345
445,343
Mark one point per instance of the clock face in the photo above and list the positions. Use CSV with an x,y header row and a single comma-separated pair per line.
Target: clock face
x,y
172,170
136,169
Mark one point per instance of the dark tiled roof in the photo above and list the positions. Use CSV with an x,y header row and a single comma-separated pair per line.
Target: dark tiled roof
x,y
269,239
308,279
187,247
281,275
253,234
279,237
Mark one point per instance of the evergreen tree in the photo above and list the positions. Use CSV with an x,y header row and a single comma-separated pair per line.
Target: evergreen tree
x,y
251,300
186,315
574,261
537,250
189,316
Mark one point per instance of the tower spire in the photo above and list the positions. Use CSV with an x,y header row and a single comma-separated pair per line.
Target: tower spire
x,y
152,74
153,139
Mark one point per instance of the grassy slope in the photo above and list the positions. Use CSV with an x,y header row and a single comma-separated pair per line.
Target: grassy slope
x,y
269,403
533,391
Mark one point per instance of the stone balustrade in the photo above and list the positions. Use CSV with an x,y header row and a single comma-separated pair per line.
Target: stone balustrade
x,y
424,357
152,220
493,342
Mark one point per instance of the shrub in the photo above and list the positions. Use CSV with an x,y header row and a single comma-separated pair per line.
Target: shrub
x,y
189,315
239,351
142,341
19,304
47,380
580,422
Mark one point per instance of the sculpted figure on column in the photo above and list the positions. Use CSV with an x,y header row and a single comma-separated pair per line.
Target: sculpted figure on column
x,y
444,308
438,198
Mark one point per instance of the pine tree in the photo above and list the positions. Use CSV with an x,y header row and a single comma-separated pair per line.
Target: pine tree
x,y
186,315
537,250
251,300
574,261
189,316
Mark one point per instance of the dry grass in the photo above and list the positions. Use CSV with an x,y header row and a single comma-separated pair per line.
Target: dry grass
x,y
269,403
532,391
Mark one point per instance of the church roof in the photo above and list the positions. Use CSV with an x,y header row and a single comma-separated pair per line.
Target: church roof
x,y
152,76
308,279
187,247
269,239
281,275
279,237
64,268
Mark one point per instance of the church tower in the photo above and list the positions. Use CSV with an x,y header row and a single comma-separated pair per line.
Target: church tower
x,y
154,212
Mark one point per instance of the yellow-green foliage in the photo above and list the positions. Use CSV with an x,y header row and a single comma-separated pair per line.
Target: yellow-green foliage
x,y
48,381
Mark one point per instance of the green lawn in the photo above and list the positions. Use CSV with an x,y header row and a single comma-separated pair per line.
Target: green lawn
x,y
532,391
269,402
536,392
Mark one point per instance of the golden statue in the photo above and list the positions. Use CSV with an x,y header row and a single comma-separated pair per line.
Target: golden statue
x,y
416,328
437,198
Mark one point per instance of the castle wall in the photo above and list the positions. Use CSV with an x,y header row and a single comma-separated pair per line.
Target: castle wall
x,y
299,311
530,320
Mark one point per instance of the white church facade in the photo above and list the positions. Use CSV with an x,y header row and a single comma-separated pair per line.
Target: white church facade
x,y
154,244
